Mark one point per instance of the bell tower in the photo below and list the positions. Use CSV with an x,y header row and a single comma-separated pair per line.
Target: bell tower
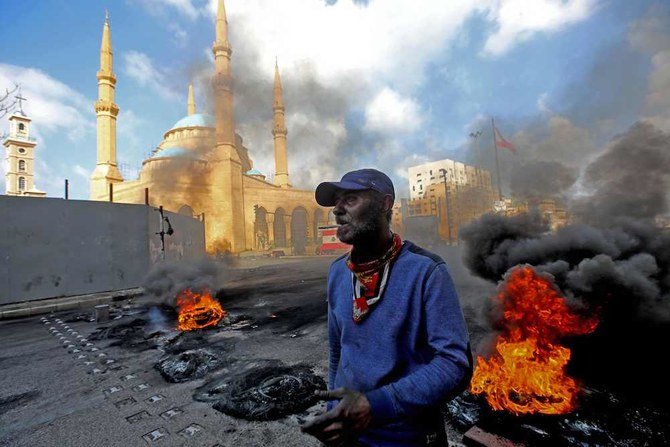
x,y
20,147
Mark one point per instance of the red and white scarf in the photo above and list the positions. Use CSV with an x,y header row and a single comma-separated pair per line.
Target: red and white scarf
x,y
369,279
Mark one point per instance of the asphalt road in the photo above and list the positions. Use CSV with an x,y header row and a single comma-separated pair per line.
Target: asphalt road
x,y
58,388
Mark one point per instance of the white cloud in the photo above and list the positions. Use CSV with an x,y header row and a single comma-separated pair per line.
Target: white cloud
x,y
53,106
140,67
542,103
519,20
180,36
160,7
82,172
388,112
390,39
385,40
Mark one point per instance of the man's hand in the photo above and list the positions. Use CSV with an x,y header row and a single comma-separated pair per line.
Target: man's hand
x,y
337,426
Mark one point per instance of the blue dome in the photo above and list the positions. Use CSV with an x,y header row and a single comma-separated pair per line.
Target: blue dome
x,y
254,172
172,152
195,120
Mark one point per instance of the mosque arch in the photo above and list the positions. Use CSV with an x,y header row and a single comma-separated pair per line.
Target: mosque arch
x,y
299,230
279,228
261,239
186,211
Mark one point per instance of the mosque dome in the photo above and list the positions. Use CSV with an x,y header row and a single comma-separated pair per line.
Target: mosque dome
x,y
256,174
195,120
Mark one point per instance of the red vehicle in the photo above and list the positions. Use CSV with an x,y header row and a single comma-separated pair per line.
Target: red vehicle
x,y
330,244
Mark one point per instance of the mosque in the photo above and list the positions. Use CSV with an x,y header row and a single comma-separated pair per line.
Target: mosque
x,y
202,168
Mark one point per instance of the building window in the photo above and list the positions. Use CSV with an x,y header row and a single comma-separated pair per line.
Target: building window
x,y
431,172
22,165
22,183
413,188
22,127
22,150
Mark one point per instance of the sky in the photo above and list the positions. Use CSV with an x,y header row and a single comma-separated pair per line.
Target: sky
x,y
378,83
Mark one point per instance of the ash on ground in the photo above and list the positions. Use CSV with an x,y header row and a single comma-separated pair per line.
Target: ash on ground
x,y
262,390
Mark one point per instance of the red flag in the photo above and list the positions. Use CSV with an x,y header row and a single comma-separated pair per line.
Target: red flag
x,y
502,142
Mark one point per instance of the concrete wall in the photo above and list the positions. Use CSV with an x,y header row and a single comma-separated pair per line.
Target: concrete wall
x,y
56,247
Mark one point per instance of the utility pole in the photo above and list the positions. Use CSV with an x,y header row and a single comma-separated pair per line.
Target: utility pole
x,y
446,199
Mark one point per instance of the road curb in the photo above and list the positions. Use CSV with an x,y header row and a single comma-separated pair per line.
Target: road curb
x,y
31,308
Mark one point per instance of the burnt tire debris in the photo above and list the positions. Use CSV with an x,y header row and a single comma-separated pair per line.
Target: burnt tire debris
x,y
602,419
188,365
264,391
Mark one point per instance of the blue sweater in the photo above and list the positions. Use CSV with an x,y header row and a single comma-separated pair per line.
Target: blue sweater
x,y
411,352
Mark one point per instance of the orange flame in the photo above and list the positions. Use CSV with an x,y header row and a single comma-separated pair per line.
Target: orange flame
x,y
197,311
526,374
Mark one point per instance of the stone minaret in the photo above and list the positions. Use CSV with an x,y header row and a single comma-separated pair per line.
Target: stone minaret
x,y
222,82
225,218
106,110
191,100
279,132
20,175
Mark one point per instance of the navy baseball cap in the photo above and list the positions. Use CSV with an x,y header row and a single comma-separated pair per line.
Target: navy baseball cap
x,y
354,181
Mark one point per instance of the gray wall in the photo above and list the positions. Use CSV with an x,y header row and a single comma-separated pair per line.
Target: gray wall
x,y
55,247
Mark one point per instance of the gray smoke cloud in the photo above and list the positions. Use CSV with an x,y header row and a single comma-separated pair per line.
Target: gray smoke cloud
x,y
319,139
167,279
541,179
650,34
631,178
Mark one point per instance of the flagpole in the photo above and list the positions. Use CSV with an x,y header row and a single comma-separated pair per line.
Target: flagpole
x,y
495,149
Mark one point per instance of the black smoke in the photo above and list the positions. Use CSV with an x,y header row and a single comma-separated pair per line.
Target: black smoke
x,y
625,267
167,279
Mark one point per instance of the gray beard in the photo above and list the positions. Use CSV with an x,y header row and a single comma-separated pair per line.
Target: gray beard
x,y
366,226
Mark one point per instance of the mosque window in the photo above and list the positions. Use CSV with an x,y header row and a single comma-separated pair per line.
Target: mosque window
x,y
22,165
22,150
22,183
22,127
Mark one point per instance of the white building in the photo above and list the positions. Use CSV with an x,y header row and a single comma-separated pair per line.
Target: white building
x,y
458,174
20,161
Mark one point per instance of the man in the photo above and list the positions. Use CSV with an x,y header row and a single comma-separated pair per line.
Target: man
x,y
398,341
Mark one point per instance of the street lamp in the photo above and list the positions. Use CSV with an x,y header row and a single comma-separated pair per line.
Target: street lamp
x,y
446,200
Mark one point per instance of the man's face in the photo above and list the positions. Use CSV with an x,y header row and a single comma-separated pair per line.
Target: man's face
x,y
358,214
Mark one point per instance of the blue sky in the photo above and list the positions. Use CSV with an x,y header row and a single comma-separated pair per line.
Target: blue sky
x,y
384,84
